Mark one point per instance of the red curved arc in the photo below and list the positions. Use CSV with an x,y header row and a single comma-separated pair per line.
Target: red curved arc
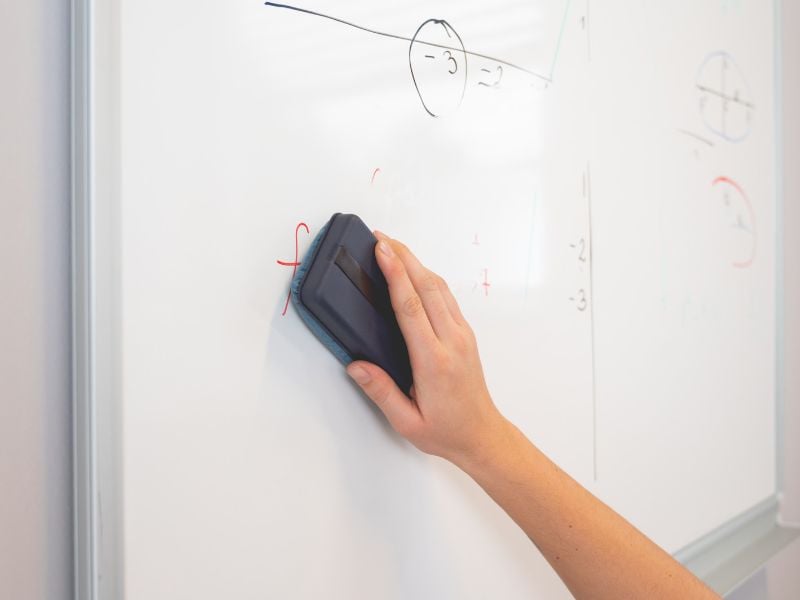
x,y
727,180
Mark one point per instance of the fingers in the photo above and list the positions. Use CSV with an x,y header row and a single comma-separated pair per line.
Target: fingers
x,y
452,304
407,304
401,413
428,285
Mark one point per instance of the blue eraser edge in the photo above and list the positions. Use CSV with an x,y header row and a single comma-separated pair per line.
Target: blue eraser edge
x,y
317,328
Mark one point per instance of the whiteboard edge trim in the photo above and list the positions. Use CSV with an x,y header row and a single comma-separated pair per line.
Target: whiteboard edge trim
x,y
84,476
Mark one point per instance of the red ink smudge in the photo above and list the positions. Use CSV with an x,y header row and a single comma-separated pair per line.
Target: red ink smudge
x,y
294,264
486,285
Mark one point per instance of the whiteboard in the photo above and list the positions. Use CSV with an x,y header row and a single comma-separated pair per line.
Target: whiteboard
x,y
596,182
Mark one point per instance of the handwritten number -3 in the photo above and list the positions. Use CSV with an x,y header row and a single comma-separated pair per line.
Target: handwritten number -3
x,y
450,58
582,301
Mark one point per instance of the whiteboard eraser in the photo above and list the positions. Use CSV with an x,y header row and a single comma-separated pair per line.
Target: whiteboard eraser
x,y
341,295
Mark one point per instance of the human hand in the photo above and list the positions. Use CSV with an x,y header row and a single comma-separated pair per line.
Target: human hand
x,y
449,413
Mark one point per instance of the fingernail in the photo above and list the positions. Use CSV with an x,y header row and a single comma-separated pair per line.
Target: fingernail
x,y
380,235
385,248
358,374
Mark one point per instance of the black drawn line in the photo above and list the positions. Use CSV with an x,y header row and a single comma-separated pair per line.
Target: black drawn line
x,y
724,96
429,56
723,68
531,234
332,18
446,25
408,39
588,33
591,318
697,137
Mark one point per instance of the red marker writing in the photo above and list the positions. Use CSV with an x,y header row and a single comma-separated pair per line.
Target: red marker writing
x,y
295,263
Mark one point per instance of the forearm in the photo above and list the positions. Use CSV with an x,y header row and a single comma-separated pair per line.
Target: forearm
x,y
595,552
451,414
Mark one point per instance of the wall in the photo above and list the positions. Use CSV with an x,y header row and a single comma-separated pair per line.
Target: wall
x,y
791,145
35,486
35,502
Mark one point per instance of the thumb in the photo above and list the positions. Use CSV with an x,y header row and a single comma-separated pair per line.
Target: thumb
x,y
383,391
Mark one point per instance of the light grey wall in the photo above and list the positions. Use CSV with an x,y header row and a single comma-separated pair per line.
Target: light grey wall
x,y
791,146
35,481
35,489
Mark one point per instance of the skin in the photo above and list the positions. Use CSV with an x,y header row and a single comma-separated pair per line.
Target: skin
x,y
450,414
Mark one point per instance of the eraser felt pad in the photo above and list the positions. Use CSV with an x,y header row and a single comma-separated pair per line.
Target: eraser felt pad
x,y
305,315
341,295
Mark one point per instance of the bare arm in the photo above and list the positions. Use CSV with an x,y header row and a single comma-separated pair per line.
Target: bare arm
x,y
450,413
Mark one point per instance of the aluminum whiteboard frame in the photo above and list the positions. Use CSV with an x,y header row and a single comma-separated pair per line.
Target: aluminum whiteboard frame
x,y
724,558
82,426
97,444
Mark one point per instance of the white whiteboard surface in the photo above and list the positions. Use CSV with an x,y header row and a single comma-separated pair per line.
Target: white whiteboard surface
x,y
598,186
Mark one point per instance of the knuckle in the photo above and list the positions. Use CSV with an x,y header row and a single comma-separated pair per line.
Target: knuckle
x,y
396,269
440,361
462,342
382,395
468,334
400,247
412,306
430,283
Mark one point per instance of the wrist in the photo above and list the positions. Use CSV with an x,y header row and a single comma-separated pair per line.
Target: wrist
x,y
493,445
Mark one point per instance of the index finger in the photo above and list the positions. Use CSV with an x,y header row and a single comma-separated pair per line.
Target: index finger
x,y
429,286
411,316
